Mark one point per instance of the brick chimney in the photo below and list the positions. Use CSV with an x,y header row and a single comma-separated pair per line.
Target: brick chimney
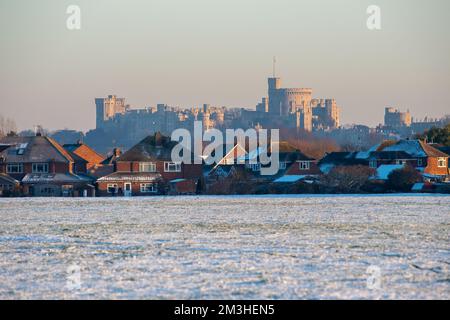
x,y
117,152
52,166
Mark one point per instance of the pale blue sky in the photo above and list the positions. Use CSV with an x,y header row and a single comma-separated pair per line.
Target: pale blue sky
x,y
220,52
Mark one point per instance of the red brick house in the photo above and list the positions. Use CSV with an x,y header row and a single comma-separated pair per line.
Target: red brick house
x,y
431,162
147,169
43,167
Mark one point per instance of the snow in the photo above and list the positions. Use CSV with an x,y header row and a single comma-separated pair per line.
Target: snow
x,y
384,170
243,247
417,186
366,154
290,178
412,147
326,168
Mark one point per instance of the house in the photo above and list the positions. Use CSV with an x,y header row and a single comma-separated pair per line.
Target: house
x,y
291,162
336,159
299,167
147,169
43,167
233,155
378,158
430,162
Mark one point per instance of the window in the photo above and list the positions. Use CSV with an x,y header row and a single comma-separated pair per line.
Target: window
x,y
373,164
40,167
147,167
47,191
14,168
419,162
112,188
148,187
442,163
172,167
303,165
400,161
282,165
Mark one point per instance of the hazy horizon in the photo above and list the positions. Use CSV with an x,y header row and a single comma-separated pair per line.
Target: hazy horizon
x,y
220,52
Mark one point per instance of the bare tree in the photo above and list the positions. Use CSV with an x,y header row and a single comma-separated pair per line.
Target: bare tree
x,y
7,125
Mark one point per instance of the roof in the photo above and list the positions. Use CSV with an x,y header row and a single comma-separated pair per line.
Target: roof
x,y
130,176
389,155
286,153
8,179
177,180
290,178
34,149
415,148
341,158
431,151
366,154
444,149
152,148
111,159
385,170
73,147
53,178
418,186
4,146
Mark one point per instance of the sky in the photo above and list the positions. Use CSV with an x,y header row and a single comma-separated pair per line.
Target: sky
x,y
186,53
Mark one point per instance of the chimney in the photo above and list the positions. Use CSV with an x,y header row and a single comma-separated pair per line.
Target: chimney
x,y
52,166
158,139
117,152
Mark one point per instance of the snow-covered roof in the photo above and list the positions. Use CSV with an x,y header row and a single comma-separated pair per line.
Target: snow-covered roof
x,y
326,167
417,186
413,147
289,178
366,154
384,170
252,155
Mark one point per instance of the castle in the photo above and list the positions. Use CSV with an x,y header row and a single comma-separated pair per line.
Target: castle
x,y
292,108
296,108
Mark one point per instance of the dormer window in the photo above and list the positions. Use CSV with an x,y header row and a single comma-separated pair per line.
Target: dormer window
x,y
304,165
40,167
172,167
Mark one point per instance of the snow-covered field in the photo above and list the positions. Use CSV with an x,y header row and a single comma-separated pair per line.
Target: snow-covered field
x,y
268,247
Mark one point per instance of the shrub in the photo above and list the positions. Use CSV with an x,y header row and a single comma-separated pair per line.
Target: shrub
x,y
348,179
403,179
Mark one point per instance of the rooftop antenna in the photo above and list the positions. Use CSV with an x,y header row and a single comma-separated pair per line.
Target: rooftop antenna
x,y
274,65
